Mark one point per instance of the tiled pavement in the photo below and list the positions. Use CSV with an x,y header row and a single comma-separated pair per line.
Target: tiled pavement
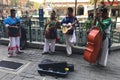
x,y
83,70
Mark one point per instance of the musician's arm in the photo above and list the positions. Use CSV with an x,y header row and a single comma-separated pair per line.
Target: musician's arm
x,y
58,24
7,25
101,24
12,27
96,17
76,23
45,28
63,22
104,24
19,21
45,25
94,22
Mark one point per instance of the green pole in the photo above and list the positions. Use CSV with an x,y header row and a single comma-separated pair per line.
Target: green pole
x,y
30,35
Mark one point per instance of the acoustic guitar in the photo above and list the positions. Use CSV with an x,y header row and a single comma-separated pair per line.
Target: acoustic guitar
x,y
66,27
51,25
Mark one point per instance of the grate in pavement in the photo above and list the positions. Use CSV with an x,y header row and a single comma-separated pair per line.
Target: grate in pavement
x,y
10,64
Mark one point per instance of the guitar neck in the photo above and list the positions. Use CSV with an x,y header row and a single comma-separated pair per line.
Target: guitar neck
x,y
73,23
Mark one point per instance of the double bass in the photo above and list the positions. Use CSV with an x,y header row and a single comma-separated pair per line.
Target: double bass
x,y
94,41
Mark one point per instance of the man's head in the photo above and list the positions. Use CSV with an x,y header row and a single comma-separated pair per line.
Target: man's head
x,y
53,14
13,12
70,11
104,12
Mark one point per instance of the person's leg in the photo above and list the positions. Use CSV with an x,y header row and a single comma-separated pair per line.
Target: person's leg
x,y
109,45
17,41
22,44
11,46
68,44
23,39
46,46
52,46
104,54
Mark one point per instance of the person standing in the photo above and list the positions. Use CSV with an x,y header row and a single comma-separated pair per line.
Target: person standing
x,y
104,23
50,32
12,24
68,22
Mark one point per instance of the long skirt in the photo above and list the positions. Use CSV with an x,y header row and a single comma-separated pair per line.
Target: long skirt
x,y
14,45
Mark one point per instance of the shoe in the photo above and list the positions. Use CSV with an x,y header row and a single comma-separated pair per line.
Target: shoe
x,y
99,65
45,53
22,48
19,52
10,55
51,53
68,55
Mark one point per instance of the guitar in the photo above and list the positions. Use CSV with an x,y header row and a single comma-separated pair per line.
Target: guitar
x,y
50,25
66,27
50,30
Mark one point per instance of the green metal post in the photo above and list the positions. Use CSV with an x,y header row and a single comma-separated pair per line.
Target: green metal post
x,y
30,35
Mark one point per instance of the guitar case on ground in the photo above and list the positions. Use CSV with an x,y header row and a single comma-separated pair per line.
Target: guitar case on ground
x,y
55,68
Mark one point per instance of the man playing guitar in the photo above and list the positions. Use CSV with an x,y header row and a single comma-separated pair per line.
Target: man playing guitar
x,y
50,33
69,22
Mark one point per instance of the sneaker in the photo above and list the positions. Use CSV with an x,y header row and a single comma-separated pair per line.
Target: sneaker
x,y
10,55
99,65
51,53
45,53
68,55
19,52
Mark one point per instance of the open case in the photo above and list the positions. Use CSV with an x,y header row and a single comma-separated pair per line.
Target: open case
x,y
55,68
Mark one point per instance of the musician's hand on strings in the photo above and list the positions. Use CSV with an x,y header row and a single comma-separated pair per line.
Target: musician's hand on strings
x,y
69,25
64,25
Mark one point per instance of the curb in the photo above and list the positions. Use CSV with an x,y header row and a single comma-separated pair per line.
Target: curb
x,y
59,47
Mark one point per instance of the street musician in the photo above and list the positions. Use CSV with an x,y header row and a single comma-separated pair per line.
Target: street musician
x,y
104,23
50,32
68,26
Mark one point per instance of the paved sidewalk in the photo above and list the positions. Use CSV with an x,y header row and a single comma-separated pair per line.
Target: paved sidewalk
x,y
83,70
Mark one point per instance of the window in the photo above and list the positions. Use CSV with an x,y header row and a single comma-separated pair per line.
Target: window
x,y
115,12
80,10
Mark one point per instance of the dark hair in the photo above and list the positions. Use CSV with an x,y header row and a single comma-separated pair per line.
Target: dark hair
x,y
70,9
104,10
53,11
12,11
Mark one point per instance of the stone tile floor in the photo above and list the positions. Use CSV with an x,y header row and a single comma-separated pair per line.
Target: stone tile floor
x,y
83,70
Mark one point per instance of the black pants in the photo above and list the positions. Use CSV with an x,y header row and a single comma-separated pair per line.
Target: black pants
x,y
23,39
